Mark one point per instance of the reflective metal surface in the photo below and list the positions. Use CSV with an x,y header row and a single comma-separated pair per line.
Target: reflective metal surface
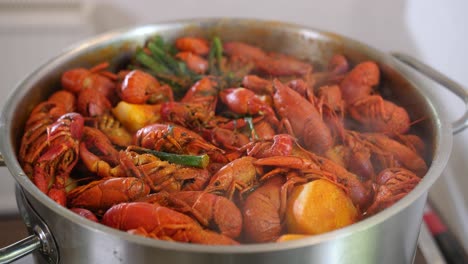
x,y
46,250
460,124
19,249
388,237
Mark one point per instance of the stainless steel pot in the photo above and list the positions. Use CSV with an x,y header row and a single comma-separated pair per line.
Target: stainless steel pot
x,y
60,236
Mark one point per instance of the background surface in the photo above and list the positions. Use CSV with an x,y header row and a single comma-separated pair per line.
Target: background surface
x,y
435,31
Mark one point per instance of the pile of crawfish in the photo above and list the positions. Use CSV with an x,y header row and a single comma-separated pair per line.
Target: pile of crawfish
x,y
201,141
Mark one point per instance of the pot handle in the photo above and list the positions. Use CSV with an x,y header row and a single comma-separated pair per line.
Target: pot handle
x,y
460,124
20,249
41,240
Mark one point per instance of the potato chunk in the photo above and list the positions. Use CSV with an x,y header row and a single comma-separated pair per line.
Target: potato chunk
x,y
136,116
317,207
289,237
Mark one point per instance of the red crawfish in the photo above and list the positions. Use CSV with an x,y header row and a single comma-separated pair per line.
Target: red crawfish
x,y
95,88
315,167
378,115
210,210
414,142
401,153
232,134
277,64
114,130
203,92
35,131
338,64
97,152
332,108
391,185
78,79
190,115
156,221
64,98
359,82
303,88
100,195
238,175
176,139
194,62
273,64
337,69
58,156
194,45
244,52
161,175
138,87
245,102
85,213
257,85
309,127
261,212
265,208
196,109
279,145
227,139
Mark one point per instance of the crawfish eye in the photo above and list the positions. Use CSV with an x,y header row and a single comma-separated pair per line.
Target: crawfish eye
x,y
217,183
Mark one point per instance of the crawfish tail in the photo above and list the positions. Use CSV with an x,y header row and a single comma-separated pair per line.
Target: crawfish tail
x,y
100,195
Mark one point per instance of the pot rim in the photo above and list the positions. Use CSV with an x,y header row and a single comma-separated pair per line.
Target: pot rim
x,y
442,145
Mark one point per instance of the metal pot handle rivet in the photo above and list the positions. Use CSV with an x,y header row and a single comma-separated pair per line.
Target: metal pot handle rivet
x,y
460,124
41,239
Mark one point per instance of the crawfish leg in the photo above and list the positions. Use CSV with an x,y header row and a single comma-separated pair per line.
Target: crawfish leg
x,y
242,187
173,142
133,170
284,193
286,125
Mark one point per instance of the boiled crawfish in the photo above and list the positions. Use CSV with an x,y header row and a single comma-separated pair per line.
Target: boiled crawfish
x,y
277,64
210,210
196,109
156,221
194,62
378,115
391,185
257,84
194,45
85,213
279,145
35,131
190,115
161,175
176,139
272,64
100,195
97,152
238,175
114,130
245,102
316,167
309,128
78,79
95,88
359,82
398,152
261,212
204,92
138,87
58,155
